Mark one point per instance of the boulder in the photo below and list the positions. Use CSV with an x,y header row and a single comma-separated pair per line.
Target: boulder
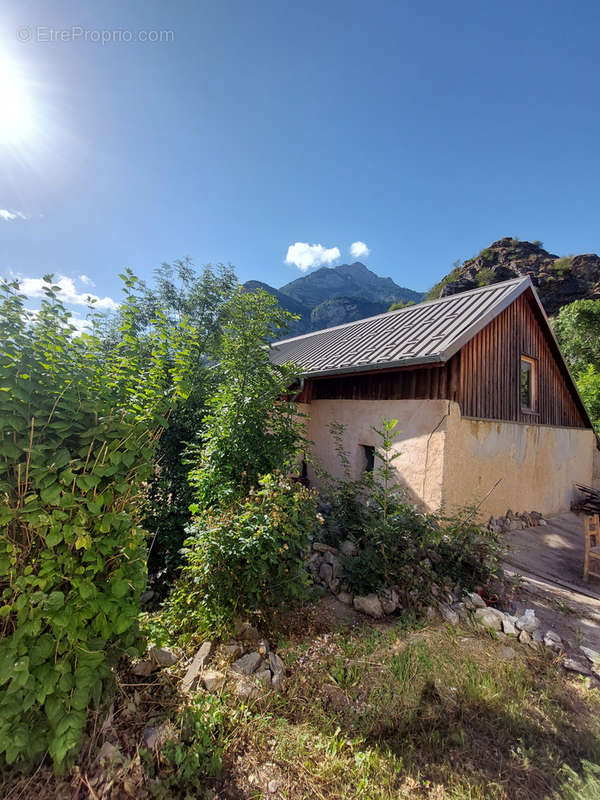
x,y
553,641
369,604
277,669
233,650
477,600
326,573
507,652
432,614
592,655
508,626
524,637
162,656
489,618
389,601
247,664
528,621
348,548
263,647
575,665
320,547
213,680
246,632
144,669
449,615
345,598
246,689
199,661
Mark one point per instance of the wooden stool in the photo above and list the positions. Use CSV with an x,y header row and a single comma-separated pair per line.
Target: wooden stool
x,y
591,565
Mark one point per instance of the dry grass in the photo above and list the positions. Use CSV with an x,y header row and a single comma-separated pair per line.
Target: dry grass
x,y
394,711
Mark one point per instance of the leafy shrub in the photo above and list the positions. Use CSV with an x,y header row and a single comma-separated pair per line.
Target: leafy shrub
x,y
485,276
399,545
245,558
77,433
250,430
562,266
487,254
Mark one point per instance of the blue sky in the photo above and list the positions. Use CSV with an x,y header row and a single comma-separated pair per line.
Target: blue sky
x,y
424,130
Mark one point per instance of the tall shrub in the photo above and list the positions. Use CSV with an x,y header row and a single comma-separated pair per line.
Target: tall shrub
x,y
78,427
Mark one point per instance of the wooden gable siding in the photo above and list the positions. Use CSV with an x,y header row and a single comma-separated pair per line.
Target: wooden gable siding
x,y
438,383
490,371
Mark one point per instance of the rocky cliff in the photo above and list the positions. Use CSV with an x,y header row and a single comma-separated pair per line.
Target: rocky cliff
x,y
559,280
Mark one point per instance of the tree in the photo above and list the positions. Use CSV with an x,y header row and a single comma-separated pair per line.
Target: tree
x,y
250,429
578,331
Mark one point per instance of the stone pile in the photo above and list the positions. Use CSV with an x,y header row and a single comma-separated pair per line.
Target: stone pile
x,y
325,565
512,521
247,664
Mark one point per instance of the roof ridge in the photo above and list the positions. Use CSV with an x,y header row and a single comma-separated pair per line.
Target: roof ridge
x,y
522,279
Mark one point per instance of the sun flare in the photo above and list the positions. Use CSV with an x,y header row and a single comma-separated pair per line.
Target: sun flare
x,y
17,120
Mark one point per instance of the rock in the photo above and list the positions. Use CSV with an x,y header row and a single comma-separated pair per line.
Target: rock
x,y
273,786
553,640
461,610
109,753
246,632
246,689
542,522
247,664
326,573
276,663
389,601
536,638
508,626
233,650
490,618
263,647
592,655
574,665
468,603
162,656
199,661
264,676
507,652
528,621
348,548
213,680
144,668
320,547
369,604
146,597
154,736
524,637
448,614
477,600
432,613
345,598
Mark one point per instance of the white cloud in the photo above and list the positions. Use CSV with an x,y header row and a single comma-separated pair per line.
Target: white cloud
x,y
9,216
359,250
34,287
87,281
304,255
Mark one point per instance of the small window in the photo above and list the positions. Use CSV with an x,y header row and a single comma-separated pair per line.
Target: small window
x,y
527,383
369,453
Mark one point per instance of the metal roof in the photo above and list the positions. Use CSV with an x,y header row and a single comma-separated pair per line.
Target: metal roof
x,y
430,332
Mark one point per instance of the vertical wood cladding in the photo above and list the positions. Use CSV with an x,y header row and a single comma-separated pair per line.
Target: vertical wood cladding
x,y
483,377
490,371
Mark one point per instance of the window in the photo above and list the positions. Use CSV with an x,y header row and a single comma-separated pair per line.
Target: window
x,y
527,383
369,453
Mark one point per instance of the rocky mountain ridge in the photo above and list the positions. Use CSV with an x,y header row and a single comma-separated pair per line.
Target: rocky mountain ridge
x,y
335,295
558,280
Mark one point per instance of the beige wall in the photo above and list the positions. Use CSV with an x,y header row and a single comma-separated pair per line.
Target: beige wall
x,y
536,464
420,441
451,461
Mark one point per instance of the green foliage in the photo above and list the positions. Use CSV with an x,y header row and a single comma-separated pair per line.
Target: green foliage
x,y
201,299
398,545
248,557
199,750
401,304
485,276
250,429
487,254
562,266
77,433
577,328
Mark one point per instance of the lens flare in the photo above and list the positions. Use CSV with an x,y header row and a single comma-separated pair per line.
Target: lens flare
x,y
17,120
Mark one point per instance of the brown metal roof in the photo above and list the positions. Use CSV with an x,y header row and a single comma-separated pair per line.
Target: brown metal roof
x,y
429,332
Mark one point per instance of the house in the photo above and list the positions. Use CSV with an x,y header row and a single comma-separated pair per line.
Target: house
x,y
487,410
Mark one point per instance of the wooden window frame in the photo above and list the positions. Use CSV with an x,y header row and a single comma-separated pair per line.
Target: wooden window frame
x,y
534,384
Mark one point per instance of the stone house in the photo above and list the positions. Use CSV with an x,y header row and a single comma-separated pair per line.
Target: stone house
x,y
487,409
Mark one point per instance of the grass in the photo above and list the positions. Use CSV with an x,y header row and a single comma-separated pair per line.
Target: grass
x,y
397,710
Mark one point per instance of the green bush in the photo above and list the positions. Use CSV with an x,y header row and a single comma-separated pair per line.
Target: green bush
x,y
562,266
246,558
77,434
485,276
487,254
398,544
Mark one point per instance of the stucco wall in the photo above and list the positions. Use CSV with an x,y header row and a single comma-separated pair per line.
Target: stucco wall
x,y
537,464
420,441
449,460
